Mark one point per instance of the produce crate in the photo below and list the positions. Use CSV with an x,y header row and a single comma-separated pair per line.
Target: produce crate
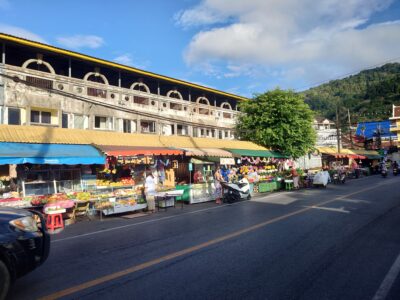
x,y
264,187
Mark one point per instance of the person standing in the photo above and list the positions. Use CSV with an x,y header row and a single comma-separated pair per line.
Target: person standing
x,y
150,192
295,176
218,187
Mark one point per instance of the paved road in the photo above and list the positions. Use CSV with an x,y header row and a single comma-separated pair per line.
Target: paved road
x,y
338,243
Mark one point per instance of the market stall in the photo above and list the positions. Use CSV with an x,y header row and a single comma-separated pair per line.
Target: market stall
x,y
200,185
44,169
125,171
263,168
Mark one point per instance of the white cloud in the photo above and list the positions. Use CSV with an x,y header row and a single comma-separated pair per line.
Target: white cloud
x,y
124,59
81,41
306,38
21,32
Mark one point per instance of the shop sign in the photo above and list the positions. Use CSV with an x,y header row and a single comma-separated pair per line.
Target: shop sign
x,y
226,161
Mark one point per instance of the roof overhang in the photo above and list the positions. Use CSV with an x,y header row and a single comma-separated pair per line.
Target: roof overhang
x,y
84,57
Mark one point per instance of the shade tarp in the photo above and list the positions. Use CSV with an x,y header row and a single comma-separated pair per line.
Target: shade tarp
x,y
257,153
212,152
134,151
21,153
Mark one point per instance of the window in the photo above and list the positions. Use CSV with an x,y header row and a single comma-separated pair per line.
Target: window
x,y
127,126
46,117
79,121
100,122
40,117
147,126
14,116
182,130
64,121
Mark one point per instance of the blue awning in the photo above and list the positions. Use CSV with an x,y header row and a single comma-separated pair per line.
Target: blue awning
x,y
53,154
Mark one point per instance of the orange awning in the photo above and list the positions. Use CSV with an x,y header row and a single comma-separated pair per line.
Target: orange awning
x,y
134,151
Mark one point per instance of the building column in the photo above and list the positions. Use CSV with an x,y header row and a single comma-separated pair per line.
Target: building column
x,y
175,129
69,68
3,54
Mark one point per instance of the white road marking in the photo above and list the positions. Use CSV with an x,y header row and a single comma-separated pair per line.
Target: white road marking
x,y
388,281
341,210
144,222
354,201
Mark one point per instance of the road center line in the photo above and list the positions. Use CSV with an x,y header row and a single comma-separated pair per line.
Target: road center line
x,y
183,252
388,281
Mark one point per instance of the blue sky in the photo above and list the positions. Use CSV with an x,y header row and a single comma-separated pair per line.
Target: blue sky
x,y
240,46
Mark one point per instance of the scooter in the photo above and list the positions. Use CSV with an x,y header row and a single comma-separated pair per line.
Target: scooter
x,y
395,171
339,177
234,192
384,173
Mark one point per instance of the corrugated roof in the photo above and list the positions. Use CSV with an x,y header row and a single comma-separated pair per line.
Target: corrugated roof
x,y
368,129
77,55
55,135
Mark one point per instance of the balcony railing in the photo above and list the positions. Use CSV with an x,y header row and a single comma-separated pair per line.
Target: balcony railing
x,y
39,82
127,97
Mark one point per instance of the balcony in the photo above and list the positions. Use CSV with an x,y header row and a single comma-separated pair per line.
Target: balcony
x,y
128,98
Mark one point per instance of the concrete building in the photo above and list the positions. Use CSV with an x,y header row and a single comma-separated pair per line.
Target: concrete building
x,y
326,132
42,85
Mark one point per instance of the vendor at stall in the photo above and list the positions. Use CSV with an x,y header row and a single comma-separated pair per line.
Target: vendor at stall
x,y
198,177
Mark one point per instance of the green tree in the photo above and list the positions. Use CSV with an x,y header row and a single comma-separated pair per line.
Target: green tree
x,y
280,120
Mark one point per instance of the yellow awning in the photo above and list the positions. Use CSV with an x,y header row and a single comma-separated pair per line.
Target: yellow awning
x,y
55,135
327,150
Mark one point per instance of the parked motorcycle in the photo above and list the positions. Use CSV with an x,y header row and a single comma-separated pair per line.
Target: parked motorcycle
x,y
234,192
339,177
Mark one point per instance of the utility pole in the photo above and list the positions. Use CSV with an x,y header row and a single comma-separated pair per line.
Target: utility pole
x,y
338,127
350,135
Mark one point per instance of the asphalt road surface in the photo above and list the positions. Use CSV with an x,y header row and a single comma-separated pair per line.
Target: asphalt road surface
x,y
342,242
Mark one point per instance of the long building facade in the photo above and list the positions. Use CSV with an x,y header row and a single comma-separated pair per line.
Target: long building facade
x,y
41,85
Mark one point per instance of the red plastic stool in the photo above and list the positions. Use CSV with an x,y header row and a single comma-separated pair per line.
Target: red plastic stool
x,y
54,221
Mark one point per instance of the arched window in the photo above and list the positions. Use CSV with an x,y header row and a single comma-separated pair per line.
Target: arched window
x,y
226,105
174,94
38,65
96,77
203,101
141,87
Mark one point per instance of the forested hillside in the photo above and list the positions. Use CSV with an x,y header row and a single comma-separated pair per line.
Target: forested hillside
x,y
369,95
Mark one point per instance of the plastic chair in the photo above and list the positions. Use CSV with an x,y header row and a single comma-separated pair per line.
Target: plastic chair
x,y
54,221
289,185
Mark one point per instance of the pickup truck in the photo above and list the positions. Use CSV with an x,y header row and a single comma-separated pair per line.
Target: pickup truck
x,y
24,244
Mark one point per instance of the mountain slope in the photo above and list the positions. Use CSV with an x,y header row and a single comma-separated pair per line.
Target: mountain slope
x,y
368,95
